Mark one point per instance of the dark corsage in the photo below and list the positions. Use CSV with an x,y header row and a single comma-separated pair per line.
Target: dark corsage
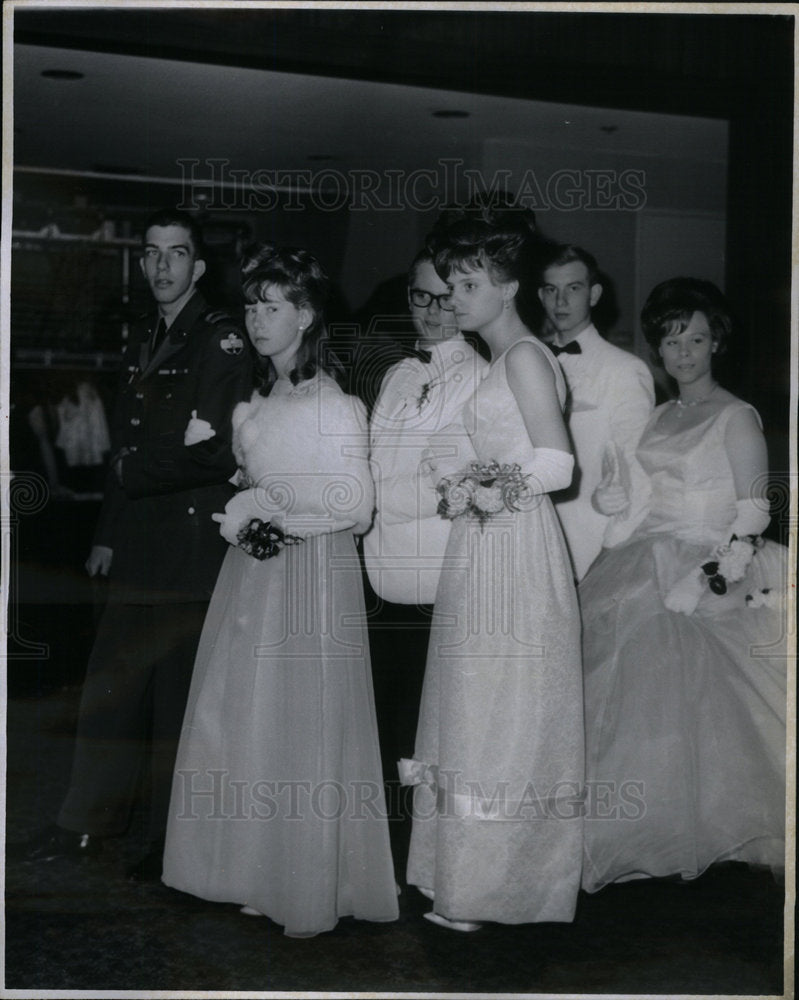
x,y
262,539
482,491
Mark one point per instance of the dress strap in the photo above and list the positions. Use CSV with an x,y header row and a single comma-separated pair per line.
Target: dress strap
x,y
557,371
740,404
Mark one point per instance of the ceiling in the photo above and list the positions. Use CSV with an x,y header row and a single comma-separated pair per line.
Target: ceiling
x,y
133,115
314,92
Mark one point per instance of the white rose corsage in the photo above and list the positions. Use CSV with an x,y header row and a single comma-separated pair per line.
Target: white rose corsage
x,y
482,491
728,564
731,562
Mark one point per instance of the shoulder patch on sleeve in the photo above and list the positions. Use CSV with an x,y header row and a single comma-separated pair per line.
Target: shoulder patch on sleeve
x,y
232,343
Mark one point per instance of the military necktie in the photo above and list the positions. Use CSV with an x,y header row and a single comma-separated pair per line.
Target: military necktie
x,y
158,337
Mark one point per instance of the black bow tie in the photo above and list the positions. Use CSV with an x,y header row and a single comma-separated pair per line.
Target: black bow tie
x,y
571,348
421,353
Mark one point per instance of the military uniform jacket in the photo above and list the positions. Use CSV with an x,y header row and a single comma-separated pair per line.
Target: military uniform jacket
x,y
158,520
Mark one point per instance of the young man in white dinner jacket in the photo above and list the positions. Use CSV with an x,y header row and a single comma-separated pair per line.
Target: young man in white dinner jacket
x,y
611,395
404,551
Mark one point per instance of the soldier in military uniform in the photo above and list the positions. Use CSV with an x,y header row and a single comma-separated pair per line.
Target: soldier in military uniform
x,y
161,549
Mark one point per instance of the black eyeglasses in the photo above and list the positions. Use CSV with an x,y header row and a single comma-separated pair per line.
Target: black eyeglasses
x,y
423,299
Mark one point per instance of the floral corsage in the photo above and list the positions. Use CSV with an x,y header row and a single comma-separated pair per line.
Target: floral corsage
x,y
731,562
727,565
262,539
482,491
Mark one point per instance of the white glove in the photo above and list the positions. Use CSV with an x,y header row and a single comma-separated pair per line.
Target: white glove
x,y
239,511
751,518
99,560
608,499
197,430
686,592
612,494
550,470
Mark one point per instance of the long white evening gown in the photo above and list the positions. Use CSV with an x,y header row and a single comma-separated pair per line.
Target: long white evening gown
x,y
277,801
498,761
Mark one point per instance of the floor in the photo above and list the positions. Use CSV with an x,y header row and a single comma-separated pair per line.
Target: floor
x,y
81,926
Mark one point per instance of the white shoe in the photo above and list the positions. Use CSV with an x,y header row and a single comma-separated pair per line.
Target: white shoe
x,y
250,911
465,926
426,892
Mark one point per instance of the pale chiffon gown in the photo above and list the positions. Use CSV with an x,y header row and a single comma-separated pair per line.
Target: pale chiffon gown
x,y
685,714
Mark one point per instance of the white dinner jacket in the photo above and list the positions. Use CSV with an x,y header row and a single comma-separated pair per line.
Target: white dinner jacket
x,y
611,395
405,548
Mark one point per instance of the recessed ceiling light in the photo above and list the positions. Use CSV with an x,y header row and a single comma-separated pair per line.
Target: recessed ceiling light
x,y
451,113
62,74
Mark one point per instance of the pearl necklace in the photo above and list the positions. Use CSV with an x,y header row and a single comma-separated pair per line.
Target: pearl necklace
x,y
681,406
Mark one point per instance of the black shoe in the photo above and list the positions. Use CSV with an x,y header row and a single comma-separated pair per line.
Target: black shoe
x,y
149,867
54,843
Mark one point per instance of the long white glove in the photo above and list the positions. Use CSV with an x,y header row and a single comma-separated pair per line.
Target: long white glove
x,y
551,470
686,592
751,518
733,558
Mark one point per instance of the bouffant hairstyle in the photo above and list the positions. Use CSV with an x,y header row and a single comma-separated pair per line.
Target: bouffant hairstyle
x,y
493,234
672,303
303,282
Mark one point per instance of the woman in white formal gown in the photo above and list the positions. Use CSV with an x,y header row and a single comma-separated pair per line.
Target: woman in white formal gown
x,y
277,801
684,628
498,760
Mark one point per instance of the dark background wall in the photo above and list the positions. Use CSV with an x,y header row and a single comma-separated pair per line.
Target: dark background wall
x,y
735,69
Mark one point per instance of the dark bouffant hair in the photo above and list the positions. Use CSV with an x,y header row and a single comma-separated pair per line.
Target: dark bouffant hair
x,y
174,217
494,234
303,282
672,303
